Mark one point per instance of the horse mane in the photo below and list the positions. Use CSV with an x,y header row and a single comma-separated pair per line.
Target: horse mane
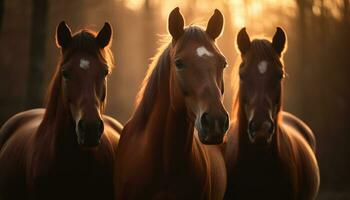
x,y
158,73
150,87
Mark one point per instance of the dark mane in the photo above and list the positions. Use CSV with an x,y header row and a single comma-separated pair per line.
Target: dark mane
x,y
82,41
159,71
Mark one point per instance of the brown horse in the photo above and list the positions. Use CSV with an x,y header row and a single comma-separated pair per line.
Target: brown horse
x,y
269,152
67,150
159,155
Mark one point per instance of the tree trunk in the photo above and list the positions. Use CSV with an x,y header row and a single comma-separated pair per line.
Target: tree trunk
x,y
304,8
39,28
2,12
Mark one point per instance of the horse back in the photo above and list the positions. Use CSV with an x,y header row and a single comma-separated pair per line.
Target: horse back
x,y
15,136
294,122
16,121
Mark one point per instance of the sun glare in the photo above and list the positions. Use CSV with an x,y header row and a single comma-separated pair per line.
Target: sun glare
x,y
260,14
134,4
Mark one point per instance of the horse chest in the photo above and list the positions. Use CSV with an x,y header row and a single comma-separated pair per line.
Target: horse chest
x,y
260,177
80,177
148,175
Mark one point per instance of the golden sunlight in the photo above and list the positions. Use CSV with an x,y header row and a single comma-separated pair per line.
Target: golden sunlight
x,y
257,13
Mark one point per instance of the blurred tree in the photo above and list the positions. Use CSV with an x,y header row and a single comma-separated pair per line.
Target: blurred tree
x,y
188,10
39,29
304,8
346,12
147,5
2,10
227,42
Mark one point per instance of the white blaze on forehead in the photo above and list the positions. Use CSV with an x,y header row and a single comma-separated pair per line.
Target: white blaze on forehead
x,y
202,51
84,64
262,66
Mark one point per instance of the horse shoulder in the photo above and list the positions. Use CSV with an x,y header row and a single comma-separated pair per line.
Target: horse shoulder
x,y
230,147
304,163
213,164
113,123
217,171
113,130
297,124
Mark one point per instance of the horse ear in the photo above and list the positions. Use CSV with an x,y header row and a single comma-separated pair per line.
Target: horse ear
x,y
215,24
63,35
103,37
243,41
176,23
279,40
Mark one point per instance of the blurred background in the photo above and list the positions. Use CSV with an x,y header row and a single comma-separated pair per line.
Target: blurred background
x,y
317,60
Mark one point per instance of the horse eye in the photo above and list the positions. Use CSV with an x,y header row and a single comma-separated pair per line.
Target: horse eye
x,y
281,76
179,64
65,74
241,65
224,64
241,77
106,72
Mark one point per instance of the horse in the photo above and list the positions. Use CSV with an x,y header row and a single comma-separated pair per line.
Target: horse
x,y
67,150
160,156
269,153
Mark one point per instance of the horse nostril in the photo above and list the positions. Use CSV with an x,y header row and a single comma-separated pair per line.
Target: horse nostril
x,y
81,126
226,123
271,127
252,127
205,120
100,126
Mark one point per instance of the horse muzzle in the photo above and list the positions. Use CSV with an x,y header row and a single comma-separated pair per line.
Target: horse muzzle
x,y
261,133
212,128
89,132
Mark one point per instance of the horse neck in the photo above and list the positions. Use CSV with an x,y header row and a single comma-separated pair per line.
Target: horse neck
x,y
55,128
178,138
